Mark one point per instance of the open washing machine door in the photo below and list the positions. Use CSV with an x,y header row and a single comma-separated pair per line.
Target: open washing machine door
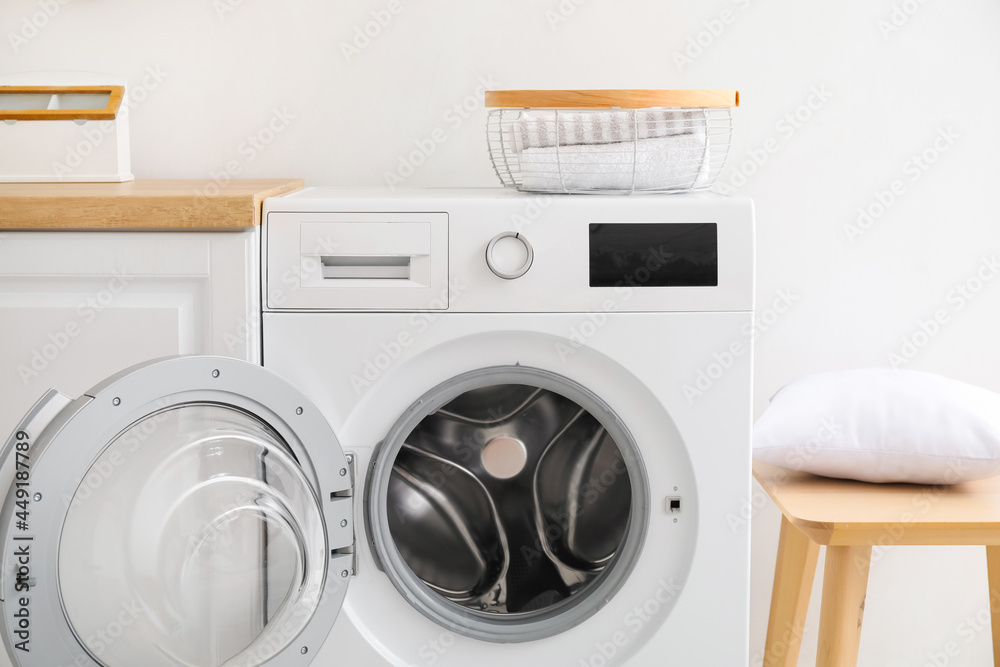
x,y
187,511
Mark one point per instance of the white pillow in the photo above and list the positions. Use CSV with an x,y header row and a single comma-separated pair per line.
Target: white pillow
x,y
882,425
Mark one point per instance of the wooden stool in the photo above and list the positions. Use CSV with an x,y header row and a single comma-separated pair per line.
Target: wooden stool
x,y
849,518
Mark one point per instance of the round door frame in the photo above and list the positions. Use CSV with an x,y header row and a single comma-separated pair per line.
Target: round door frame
x,y
515,628
62,450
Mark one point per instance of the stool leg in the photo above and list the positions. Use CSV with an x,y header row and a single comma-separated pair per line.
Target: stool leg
x,y
793,580
845,584
993,571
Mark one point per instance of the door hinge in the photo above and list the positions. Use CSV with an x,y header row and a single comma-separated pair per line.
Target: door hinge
x,y
347,493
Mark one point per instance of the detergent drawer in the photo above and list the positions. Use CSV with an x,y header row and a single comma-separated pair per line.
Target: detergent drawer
x,y
356,261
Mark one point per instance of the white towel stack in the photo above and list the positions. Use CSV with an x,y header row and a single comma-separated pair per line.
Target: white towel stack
x,y
613,150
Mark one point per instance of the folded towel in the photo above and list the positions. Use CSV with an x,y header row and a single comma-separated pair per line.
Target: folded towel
x,y
605,127
665,163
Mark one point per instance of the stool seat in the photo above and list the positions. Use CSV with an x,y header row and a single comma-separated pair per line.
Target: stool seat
x,y
843,511
849,518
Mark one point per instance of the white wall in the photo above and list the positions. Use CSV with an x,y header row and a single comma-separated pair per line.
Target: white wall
x,y
226,65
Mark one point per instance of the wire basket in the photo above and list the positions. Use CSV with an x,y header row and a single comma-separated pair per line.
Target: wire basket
x,y
609,141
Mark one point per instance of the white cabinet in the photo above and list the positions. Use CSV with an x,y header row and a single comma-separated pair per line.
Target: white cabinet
x,y
76,307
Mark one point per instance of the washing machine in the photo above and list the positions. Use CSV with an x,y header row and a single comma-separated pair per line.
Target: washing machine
x,y
490,429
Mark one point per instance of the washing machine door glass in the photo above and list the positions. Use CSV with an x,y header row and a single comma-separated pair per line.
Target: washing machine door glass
x,y
196,535
207,536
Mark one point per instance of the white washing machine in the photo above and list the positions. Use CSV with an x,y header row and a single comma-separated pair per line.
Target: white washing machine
x,y
491,429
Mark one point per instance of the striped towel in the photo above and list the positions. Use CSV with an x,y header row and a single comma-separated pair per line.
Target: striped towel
x,y
679,162
575,128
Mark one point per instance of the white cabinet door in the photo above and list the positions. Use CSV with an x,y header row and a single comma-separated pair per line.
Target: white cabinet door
x,y
76,307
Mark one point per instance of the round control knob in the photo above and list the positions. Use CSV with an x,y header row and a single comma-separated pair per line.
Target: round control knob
x,y
509,255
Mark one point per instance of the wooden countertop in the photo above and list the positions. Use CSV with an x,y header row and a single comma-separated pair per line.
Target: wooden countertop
x,y
180,204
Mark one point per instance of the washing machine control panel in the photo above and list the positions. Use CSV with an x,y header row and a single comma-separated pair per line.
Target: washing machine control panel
x,y
469,250
509,255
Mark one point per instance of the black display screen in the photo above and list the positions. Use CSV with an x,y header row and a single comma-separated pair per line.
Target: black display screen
x,y
654,254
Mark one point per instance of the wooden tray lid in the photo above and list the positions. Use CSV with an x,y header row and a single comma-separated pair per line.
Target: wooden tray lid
x,y
611,99
115,95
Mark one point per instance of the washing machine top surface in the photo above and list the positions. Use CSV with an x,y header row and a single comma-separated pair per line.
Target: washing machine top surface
x,y
326,193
